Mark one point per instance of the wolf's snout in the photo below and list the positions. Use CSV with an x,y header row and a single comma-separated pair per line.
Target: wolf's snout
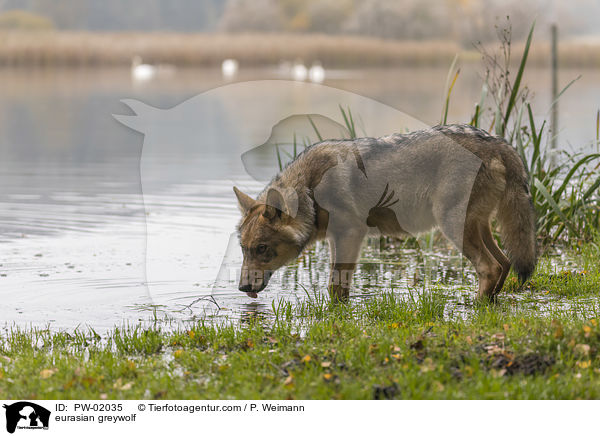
x,y
253,281
245,288
252,287
253,293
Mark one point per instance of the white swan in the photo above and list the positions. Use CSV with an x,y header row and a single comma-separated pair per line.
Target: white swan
x,y
229,68
141,72
316,73
299,72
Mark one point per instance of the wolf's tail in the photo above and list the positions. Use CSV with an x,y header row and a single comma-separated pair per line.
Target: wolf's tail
x,y
516,216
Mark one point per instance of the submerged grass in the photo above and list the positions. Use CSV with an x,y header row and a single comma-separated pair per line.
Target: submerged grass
x,y
542,341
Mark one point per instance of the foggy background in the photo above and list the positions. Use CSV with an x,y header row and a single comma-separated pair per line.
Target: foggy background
x,y
463,21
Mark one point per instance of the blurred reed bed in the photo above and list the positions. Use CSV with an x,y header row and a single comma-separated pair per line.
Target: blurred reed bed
x,y
93,49
571,53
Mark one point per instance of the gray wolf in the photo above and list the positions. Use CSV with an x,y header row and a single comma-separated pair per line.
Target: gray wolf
x,y
453,177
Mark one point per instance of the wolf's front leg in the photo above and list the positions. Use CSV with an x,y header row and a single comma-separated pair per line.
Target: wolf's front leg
x,y
345,249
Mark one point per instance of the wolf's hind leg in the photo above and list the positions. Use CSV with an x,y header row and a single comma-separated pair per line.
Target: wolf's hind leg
x,y
490,243
464,230
489,270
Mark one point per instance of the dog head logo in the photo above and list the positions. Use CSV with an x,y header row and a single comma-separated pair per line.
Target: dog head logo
x,y
188,147
26,415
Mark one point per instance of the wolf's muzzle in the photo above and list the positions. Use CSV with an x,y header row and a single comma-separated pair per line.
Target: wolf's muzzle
x,y
254,281
250,292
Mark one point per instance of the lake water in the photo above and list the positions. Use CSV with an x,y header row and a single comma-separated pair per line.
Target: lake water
x,y
74,223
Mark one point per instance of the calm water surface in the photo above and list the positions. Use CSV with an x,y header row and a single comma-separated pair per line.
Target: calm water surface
x,y
73,220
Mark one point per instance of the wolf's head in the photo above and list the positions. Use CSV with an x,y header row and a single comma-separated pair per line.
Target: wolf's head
x,y
269,236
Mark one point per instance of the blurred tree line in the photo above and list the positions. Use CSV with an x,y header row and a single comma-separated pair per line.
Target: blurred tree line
x,y
464,21
125,15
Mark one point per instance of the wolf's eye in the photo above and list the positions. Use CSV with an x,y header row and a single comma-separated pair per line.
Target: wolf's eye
x,y
261,248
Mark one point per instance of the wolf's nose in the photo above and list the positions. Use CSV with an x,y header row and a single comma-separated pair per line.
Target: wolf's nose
x,y
245,288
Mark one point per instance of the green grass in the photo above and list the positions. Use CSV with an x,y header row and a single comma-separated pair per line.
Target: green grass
x,y
539,341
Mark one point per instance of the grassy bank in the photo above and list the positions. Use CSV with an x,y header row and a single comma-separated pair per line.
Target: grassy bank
x,y
72,49
539,342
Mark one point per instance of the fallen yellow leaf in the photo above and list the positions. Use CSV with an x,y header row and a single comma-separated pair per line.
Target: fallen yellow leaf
x,y
306,359
497,373
559,333
126,386
46,373
494,349
584,364
427,365
177,353
118,384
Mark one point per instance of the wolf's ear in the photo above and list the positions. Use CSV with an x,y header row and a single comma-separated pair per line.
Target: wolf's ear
x,y
275,205
245,201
